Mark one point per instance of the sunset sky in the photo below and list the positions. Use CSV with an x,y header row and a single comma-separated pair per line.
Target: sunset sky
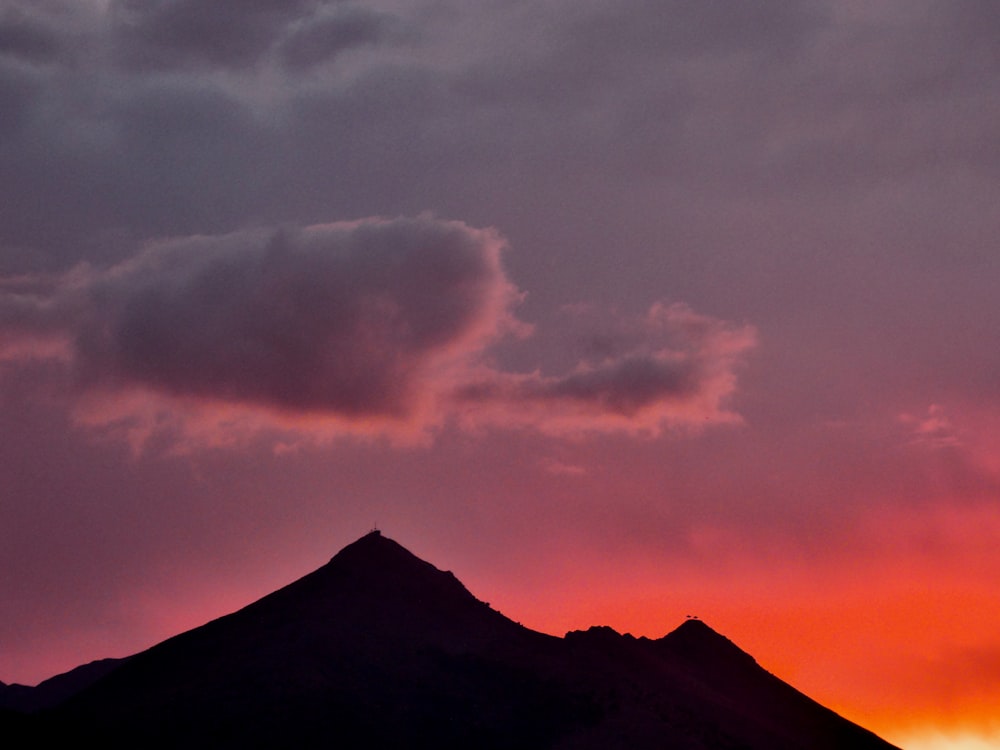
x,y
622,310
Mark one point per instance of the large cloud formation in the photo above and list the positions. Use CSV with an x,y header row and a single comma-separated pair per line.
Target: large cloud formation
x,y
376,323
343,318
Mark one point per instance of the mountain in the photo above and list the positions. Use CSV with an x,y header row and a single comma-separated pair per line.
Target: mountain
x,y
379,649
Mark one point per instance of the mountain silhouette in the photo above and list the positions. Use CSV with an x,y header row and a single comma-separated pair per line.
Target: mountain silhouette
x,y
379,649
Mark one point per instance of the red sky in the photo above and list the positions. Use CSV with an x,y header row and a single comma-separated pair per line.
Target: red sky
x,y
623,312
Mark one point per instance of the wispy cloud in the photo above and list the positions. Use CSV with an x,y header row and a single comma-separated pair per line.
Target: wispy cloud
x,y
679,374
933,429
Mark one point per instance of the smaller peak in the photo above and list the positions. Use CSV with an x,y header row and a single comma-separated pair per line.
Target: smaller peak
x,y
599,635
595,631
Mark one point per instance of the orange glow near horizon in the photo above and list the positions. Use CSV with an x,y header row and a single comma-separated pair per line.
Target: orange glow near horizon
x,y
886,663
894,643
887,637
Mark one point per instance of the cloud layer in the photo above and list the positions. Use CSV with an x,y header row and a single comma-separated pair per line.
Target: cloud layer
x,y
374,324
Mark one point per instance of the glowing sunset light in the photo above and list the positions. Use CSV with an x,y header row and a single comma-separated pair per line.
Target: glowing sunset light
x,y
951,741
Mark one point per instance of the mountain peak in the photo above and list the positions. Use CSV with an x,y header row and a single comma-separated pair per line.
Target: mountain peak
x,y
377,590
694,640
375,547
694,627
384,565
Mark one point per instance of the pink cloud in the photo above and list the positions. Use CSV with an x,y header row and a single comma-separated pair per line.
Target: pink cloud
x,y
369,327
353,319
679,373
933,430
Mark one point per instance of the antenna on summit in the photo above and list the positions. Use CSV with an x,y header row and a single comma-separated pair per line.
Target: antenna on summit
x,y
375,530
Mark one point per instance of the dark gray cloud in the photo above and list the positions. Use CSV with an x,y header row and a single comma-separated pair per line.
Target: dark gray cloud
x,y
190,33
344,319
622,387
675,368
323,38
626,386
480,108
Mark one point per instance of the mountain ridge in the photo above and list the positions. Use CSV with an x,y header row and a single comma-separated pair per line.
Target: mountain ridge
x,y
378,648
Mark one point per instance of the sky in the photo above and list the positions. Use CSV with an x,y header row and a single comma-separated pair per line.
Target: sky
x,y
622,310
